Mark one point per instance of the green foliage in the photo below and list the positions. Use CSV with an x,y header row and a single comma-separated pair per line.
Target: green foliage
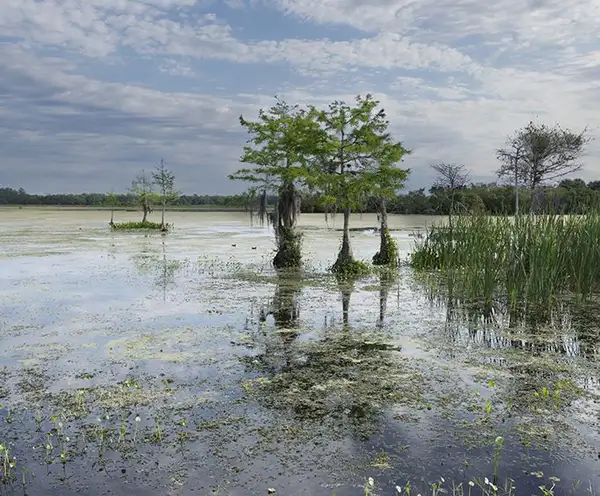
x,y
350,269
142,188
164,179
531,262
281,145
111,200
142,191
385,180
388,254
355,159
356,154
127,226
289,254
538,153
568,197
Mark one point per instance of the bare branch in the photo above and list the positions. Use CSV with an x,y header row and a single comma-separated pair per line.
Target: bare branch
x,y
538,153
450,176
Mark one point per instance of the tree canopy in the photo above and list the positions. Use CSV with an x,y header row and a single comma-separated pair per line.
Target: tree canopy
x,y
539,153
282,143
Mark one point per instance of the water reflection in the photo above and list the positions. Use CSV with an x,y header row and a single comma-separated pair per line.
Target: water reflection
x,y
285,310
162,269
340,376
386,281
346,287
284,306
568,328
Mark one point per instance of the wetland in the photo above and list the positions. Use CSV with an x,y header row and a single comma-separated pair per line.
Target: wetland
x,y
184,363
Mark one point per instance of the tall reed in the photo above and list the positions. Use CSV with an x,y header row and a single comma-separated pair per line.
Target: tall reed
x,y
532,261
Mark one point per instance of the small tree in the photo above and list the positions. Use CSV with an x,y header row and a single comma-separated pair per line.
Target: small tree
x,y
539,153
142,190
386,181
510,156
356,141
164,180
452,177
282,142
111,201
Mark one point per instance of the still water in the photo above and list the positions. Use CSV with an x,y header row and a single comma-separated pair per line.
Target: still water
x,y
183,364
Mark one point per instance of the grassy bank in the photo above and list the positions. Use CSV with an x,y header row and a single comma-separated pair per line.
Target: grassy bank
x,y
129,226
536,260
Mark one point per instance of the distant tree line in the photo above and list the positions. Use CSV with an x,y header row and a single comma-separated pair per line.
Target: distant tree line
x,y
569,196
10,196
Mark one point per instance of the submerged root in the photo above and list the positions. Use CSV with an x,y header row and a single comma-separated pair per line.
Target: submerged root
x,y
289,254
388,251
346,267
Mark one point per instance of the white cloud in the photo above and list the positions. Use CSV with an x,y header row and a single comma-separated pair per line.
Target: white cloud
x,y
99,28
455,76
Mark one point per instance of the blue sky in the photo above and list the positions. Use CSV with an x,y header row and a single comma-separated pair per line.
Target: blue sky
x,y
92,91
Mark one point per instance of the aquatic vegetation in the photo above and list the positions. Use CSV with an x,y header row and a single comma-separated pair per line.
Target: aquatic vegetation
x,y
289,254
498,444
478,487
388,250
248,378
8,463
344,380
140,225
344,269
530,263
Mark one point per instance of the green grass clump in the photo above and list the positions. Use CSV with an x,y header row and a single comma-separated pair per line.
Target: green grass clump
x,y
350,269
127,226
389,255
533,260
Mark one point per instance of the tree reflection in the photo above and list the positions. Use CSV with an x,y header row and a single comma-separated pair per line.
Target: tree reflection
x,y
386,281
285,310
162,270
343,379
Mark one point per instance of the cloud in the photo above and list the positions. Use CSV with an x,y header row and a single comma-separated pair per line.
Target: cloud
x,y
80,128
91,91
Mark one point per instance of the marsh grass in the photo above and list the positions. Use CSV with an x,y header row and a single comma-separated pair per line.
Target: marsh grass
x,y
131,226
481,487
8,463
535,261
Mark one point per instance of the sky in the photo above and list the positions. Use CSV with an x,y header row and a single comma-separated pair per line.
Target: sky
x,y
93,91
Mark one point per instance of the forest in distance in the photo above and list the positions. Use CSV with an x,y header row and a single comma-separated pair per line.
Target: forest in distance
x,y
569,196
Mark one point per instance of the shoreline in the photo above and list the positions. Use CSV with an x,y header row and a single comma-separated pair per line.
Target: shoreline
x,y
100,208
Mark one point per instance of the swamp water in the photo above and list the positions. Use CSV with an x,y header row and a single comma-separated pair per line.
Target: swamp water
x,y
183,364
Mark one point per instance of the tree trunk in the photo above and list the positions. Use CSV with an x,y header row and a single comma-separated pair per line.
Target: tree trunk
x,y
383,228
164,207
112,216
387,254
145,208
284,222
538,198
345,256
